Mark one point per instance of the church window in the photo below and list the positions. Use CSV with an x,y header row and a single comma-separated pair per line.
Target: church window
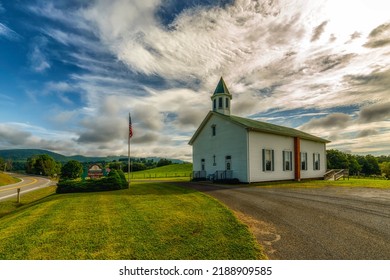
x,y
214,162
303,161
227,102
220,102
215,104
268,160
316,161
213,130
287,160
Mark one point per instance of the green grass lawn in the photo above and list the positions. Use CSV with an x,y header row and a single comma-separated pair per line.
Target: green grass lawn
x,y
5,179
352,182
27,199
168,171
148,221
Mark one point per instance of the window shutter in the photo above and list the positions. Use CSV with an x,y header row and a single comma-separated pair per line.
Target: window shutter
x,y
291,161
284,161
263,157
319,162
272,164
314,161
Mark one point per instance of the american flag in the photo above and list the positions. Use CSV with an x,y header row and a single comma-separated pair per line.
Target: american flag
x,y
130,127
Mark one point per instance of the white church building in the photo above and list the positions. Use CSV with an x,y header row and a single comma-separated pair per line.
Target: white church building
x,y
231,147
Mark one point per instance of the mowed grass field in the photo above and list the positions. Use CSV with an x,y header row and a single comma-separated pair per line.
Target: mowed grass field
x,y
149,221
5,179
168,171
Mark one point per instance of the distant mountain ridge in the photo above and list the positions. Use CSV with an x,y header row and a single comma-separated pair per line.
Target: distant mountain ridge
x,y
24,154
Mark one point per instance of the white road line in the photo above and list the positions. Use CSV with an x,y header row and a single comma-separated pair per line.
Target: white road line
x,y
26,191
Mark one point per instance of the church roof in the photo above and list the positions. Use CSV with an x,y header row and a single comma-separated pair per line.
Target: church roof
x,y
221,88
275,129
253,125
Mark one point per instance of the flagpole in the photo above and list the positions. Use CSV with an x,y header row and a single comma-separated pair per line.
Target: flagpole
x,y
128,150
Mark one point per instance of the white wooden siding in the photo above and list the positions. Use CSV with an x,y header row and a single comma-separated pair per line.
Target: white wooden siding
x,y
259,141
245,149
230,140
311,147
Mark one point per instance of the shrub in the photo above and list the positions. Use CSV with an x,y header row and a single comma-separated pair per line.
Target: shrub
x,y
71,170
114,181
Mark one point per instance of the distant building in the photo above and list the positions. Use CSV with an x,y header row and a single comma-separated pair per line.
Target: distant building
x,y
226,147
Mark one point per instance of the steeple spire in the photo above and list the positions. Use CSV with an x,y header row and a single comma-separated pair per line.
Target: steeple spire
x,y
221,87
221,98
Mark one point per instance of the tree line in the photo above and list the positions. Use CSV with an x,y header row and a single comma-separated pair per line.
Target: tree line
x,y
358,164
45,165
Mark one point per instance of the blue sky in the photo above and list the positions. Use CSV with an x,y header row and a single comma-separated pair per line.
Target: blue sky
x,y
70,71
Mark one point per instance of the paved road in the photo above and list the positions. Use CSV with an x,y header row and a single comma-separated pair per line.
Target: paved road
x,y
28,183
324,223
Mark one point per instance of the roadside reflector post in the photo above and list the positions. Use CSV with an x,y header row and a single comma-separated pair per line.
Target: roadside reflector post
x,y
18,196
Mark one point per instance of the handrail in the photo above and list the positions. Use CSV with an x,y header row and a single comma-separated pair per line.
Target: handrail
x,y
336,174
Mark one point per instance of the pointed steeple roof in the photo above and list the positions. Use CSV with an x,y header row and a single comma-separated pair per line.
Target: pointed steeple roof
x,y
221,88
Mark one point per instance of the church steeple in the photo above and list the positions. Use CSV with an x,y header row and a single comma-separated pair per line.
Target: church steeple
x,y
221,98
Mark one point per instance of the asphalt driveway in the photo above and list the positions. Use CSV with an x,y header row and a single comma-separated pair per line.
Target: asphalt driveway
x,y
319,223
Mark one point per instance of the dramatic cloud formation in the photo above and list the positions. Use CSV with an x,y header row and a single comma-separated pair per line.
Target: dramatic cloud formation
x,y
379,37
374,113
296,63
336,120
10,136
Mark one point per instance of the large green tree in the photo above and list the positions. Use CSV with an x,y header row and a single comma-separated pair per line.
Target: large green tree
x,y
71,170
136,166
369,164
6,165
337,159
385,169
115,165
163,162
43,165
340,160
353,165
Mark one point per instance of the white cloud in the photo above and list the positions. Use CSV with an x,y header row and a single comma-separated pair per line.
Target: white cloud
x,y
37,56
58,86
8,33
253,47
244,42
21,135
63,117
10,136
68,17
274,55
